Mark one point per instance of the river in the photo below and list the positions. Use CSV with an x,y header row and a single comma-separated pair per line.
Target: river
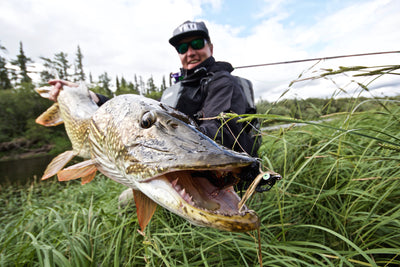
x,y
22,171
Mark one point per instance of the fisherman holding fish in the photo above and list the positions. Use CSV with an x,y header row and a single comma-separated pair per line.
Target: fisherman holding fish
x,y
204,89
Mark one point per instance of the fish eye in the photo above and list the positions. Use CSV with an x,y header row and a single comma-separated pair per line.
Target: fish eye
x,y
148,119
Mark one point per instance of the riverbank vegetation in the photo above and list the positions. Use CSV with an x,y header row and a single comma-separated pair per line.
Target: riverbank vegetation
x,y
338,204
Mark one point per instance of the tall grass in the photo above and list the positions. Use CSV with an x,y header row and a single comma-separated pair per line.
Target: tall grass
x,y
338,204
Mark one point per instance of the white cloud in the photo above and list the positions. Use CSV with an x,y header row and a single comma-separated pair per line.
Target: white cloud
x,y
122,37
126,37
360,28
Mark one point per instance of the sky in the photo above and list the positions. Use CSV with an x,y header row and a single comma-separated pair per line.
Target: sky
x,y
128,37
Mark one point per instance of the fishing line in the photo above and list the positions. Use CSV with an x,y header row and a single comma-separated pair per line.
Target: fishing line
x,y
315,59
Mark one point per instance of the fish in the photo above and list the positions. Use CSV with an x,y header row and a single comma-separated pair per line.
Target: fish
x,y
74,108
156,151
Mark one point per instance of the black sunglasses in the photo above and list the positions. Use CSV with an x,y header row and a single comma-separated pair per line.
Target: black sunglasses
x,y
196,44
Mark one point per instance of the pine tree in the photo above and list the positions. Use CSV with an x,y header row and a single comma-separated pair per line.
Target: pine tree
x,y
117,83
136,84
104,81
61,65
142,87
163,84
133,89
5,82
123,82
151,87
79,73
21,62
49,72
152,90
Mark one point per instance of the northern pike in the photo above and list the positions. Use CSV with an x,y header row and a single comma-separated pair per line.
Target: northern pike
x,y
155,150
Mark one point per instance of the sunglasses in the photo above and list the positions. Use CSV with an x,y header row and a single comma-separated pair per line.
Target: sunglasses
x,y
196,44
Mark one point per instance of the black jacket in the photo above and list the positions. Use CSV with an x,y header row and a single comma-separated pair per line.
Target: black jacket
x,y
209,90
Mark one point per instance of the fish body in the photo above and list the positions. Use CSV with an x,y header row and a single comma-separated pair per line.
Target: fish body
x,y
160,154
74,108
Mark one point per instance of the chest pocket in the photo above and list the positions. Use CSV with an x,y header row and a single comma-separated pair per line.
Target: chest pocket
x,y
185,97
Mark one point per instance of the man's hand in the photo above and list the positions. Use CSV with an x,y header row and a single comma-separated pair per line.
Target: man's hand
x,y
57,87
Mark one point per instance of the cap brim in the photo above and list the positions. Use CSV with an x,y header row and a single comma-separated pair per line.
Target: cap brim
x,y
176,39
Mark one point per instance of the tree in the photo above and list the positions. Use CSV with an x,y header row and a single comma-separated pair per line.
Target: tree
x,y
125,88
151,87
136,84
163,84
49,72
21,62
104,85
132,89
142,87
123,82
117,83
5,82
152,90
61,65
79,74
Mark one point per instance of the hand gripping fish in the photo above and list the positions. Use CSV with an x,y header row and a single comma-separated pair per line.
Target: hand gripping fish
x,y
153,149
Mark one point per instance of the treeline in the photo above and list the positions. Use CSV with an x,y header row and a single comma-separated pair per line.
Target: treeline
x,y
15,73
314,108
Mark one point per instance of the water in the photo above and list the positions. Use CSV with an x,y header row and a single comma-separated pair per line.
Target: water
x,y
22,171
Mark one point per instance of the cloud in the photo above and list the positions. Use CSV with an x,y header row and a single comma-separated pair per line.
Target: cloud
x,y
122,38
367,26
131,37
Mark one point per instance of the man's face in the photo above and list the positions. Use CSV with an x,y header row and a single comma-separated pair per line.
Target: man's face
x,y
193,57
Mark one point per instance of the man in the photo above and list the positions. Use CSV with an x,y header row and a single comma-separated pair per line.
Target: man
x,y
207,89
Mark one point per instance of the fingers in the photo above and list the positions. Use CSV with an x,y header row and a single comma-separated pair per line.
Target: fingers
x,y
57,87
55,91
62,82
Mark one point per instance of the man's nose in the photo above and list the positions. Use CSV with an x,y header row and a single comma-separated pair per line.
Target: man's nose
x,y
190,51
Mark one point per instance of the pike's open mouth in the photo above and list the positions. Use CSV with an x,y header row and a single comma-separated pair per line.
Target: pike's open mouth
x,y
211,191
203,197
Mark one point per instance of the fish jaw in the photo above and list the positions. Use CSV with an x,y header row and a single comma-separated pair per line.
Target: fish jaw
x,y
199,201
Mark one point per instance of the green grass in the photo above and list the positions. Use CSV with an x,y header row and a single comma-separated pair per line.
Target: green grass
x,y
338,204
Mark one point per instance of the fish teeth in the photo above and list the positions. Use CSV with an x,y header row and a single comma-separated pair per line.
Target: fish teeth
x,y
182,192
178,188
174,182
189,199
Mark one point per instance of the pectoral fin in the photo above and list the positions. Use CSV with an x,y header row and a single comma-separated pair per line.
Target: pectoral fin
x,y
85,170
51,117
145,208
58,163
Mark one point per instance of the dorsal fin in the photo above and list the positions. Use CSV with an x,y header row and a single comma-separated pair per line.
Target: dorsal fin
x,y
145,208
